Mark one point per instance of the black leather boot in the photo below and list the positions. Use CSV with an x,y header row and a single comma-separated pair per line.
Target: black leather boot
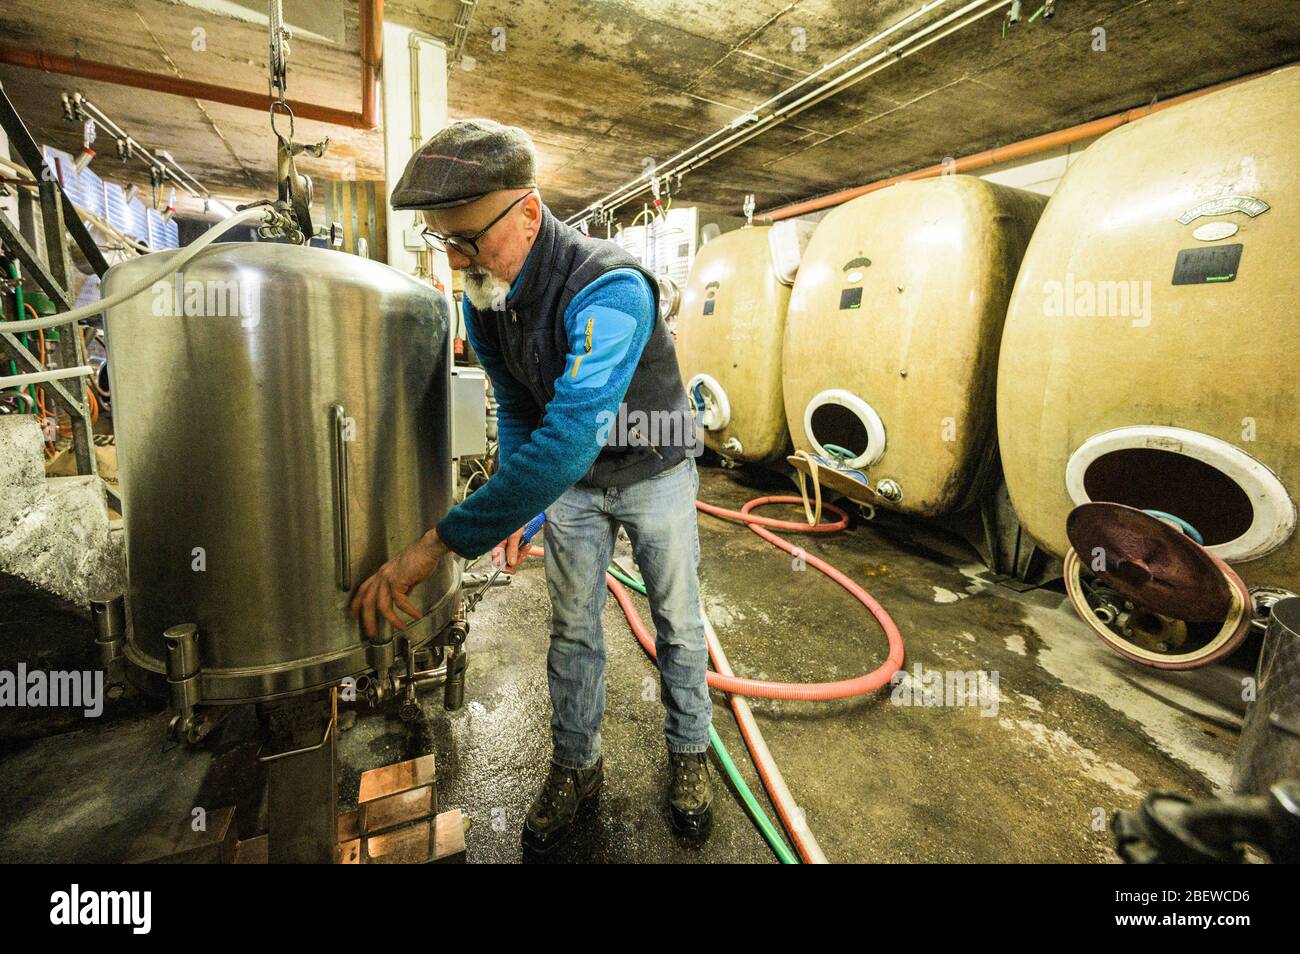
x,y
690,797
550,820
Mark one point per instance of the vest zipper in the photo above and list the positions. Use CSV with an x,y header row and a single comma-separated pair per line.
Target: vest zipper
x,y
653,449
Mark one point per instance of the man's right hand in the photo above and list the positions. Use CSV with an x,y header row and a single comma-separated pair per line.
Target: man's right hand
x,y
509,553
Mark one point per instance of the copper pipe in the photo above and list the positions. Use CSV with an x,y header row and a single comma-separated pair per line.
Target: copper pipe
x,y
1016,150
371,43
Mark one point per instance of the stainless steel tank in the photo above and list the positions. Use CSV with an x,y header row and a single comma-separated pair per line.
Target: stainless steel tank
x,y
282,418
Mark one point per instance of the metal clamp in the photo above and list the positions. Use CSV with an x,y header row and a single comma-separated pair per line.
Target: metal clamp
x,y
343,536
108,614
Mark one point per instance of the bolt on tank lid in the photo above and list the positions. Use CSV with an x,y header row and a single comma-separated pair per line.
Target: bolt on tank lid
x,y
1150,561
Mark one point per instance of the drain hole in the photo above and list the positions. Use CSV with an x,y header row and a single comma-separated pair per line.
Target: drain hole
x,y
836,428
1151,479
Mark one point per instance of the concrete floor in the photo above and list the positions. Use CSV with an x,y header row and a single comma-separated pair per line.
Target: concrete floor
x,y
1077,732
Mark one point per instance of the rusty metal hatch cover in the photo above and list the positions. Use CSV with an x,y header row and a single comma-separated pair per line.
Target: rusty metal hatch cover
x,y
1150,562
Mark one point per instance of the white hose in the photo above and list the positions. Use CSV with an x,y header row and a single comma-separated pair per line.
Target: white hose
x,y
49,374
174,263
786,806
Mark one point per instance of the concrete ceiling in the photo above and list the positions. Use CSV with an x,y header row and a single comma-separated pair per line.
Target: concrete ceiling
x,y
603,85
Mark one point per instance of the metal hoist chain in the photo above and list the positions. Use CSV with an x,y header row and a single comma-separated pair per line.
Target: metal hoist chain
x,y
293,204
280,37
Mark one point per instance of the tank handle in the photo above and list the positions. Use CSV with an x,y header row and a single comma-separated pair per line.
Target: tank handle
x,y
343,536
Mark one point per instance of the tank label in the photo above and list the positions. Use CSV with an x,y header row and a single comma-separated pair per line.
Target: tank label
x,y
851,297
1207,265
1224,204
1215,231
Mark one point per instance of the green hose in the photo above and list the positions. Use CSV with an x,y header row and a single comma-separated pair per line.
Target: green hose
x,y
764,823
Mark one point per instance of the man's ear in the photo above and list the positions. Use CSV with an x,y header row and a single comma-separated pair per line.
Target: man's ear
x,y
533,213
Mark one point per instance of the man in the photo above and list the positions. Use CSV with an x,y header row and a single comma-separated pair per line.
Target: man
x,y
567,328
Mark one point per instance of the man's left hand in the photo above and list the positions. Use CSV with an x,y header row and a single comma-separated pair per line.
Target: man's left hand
x,y
386,591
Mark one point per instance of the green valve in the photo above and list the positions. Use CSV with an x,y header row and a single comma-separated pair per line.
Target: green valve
x,y
43,305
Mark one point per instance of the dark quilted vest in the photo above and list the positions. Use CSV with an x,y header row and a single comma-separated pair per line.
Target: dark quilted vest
x,y
530,335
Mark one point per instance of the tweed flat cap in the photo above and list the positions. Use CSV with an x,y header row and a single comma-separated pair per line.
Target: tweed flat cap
x,y
465,161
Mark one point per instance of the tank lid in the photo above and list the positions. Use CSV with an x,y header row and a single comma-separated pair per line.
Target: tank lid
x,y
1149,561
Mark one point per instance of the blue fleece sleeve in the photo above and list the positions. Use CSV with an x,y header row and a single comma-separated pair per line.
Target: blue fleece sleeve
x,y
516,410
608,324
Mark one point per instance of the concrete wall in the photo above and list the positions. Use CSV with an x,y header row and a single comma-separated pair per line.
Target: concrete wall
x,y
8,203
1041,173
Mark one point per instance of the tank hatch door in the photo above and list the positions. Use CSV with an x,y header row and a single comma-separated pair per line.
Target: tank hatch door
x,y
1149,561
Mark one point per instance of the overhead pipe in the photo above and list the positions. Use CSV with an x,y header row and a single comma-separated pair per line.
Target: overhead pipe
x,y
371,54
751,124
1016,150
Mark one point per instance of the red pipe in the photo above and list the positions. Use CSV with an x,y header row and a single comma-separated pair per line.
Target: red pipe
x,y
371,41
1016,150
372,20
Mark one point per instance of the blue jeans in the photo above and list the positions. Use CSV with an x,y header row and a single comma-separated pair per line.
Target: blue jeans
x,y
659,514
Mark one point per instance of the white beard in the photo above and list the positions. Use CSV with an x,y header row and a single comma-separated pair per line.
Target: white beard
x,y
486,292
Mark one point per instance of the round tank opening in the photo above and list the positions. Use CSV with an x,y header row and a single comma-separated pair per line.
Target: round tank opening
x,y
712,409
844,428
840,432
1153,479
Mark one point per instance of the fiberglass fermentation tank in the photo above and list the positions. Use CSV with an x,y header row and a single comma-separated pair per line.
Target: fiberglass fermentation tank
x,y
1150,347
729,330
282,428
892,335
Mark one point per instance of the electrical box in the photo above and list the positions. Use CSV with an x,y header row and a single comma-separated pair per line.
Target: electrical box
x,y
468,412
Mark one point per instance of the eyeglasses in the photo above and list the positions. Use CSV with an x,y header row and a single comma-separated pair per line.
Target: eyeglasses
x,y
466,245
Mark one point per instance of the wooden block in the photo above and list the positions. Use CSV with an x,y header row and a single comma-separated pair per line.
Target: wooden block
x,y
393,779
349,825
396,795
252,851
449,837
178,842
412,845
349,852
397,810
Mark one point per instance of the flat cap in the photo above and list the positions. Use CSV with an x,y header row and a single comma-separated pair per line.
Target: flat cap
x,y
465,161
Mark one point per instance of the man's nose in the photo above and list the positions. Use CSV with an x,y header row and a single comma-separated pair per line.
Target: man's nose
x,y
457,260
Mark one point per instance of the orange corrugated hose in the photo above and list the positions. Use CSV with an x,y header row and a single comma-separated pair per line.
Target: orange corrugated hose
x,y
40,393
762,688
803,839
63,429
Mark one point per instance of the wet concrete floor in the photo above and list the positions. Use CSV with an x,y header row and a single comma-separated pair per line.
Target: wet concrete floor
x,y
1032,774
